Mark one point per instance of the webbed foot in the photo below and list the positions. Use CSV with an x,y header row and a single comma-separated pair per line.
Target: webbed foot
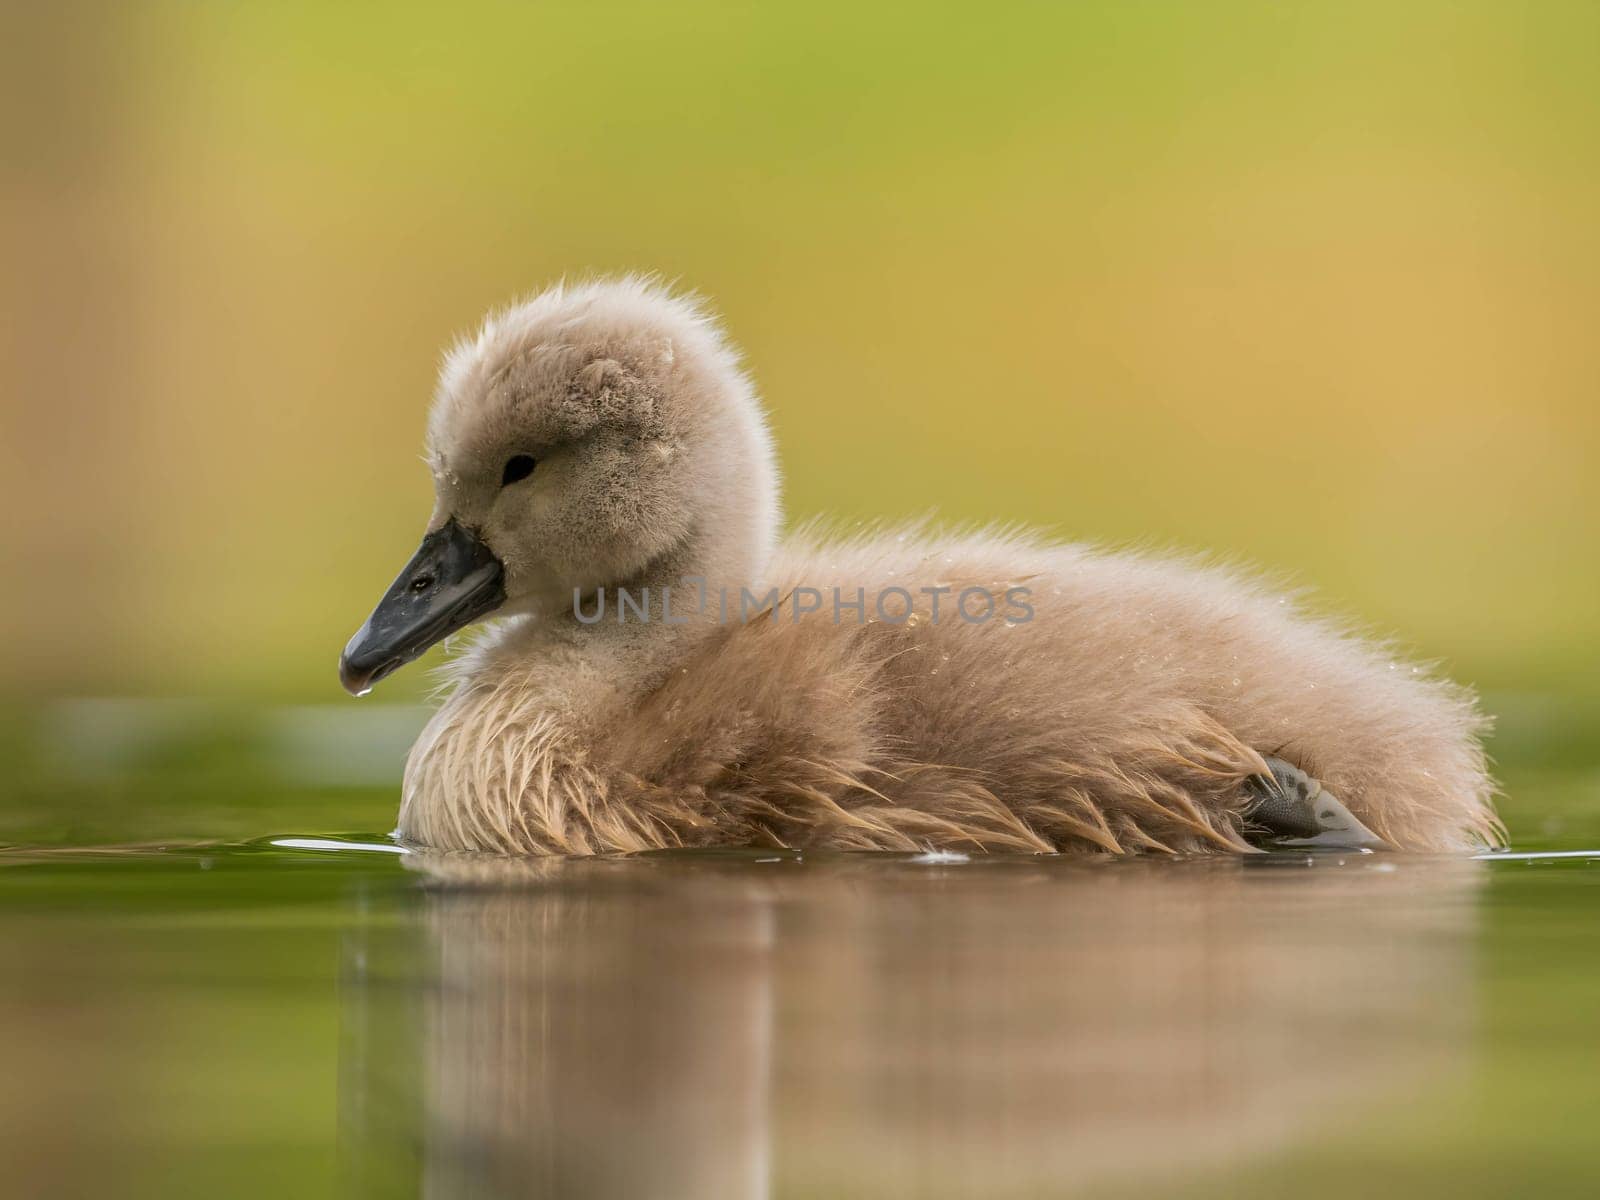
x,y
1290,807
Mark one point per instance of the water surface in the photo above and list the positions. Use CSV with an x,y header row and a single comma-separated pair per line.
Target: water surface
x,y
314,1014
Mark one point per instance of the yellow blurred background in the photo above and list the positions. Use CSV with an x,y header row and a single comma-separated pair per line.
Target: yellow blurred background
x,y
1313,286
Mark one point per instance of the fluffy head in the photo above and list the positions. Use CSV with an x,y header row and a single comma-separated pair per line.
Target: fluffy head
x,y
645,437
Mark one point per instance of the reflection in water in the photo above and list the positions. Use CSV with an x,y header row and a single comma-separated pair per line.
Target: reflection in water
x,y
750,1025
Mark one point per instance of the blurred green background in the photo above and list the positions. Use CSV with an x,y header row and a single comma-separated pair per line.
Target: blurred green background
x,y
1311,286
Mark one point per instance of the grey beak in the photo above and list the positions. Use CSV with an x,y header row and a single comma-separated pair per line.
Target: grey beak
x,y
451,581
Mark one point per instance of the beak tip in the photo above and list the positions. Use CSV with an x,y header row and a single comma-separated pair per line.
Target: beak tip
x,y
356,681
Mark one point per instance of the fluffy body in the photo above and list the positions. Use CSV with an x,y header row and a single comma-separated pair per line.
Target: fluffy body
x,y
1126,716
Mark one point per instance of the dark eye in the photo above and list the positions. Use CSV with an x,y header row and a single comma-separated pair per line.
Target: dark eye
x,y
518,466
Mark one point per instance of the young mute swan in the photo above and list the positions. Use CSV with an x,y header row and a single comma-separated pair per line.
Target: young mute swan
x,y
665,673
